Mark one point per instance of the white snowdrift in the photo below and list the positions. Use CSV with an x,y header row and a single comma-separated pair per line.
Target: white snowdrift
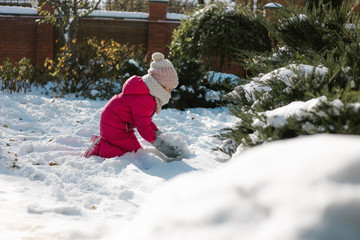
x,y
306,188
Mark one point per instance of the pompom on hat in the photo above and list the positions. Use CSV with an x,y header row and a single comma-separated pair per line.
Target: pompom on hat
x,y
163,71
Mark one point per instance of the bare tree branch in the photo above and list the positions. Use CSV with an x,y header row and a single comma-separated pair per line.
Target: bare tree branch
x,y
67,15
356,4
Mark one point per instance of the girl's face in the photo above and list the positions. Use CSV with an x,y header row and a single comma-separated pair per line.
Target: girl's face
x,y
168,89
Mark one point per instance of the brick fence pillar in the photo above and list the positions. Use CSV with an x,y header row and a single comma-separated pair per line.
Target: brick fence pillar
x,y
44,39
157,28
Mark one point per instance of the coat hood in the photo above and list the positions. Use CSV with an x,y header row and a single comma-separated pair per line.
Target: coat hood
x,y
135,85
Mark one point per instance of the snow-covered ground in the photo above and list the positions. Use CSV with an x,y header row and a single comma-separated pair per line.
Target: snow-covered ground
x,y
304,188
48,188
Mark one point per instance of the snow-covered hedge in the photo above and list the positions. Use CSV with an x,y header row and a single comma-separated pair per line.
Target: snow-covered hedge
x,y
278,105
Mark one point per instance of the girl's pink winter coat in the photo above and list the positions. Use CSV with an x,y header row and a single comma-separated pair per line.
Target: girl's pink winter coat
x,y
133,108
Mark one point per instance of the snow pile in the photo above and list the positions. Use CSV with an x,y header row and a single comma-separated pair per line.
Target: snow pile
x,y
286,75
307,188
297,109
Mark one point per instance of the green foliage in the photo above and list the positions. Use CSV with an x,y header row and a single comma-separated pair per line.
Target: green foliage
x,y
335,117
16,77
267,95
309,38
317,29
328,3
190,92
94,68
198,87
330,117
216,31
174,6
182,6
127,5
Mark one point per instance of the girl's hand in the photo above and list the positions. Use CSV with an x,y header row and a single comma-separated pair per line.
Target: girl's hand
x,y
158,133
167,149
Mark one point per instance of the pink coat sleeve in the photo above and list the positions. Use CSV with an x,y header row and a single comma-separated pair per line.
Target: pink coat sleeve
x,y
154,127
142,110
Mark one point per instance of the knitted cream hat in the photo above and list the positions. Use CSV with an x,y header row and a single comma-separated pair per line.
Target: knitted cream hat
x,y
163,71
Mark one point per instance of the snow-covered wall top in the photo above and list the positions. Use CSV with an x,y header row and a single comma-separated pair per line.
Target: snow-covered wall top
x,y
17,10
176,16
133,15
6,10
119,14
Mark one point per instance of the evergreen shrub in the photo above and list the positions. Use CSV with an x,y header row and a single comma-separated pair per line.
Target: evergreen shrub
x,y
316,3
199,87
306,86
309,29
191,90
212,32
216,31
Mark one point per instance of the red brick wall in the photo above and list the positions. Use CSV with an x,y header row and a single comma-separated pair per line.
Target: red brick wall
x,y
152,35
160,36
122,31
157,10
44,43
160,30
18,38
21,37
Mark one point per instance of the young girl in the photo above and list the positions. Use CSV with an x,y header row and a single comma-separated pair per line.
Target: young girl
x,y
141,97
